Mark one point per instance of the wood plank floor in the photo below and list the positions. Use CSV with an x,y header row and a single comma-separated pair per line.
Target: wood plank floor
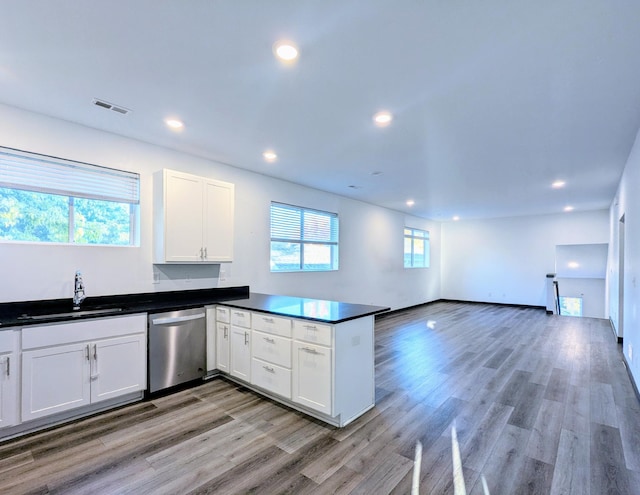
x,y
541,404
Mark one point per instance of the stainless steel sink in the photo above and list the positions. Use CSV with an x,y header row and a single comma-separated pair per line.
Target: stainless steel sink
x,y
70,314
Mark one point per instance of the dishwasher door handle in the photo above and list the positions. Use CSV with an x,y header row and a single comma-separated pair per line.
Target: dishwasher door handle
x,y
177,319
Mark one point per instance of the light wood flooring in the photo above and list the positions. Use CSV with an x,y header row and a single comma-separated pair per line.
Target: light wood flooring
x,y
541,404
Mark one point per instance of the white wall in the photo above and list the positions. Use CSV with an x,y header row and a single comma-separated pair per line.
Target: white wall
x,y
371,238
506,260
627,203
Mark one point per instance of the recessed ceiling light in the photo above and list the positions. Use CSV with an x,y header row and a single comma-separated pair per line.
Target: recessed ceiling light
x,y
558,184
456,218
269,156
285,50
174,124
568,208
410,202
573,264
382,119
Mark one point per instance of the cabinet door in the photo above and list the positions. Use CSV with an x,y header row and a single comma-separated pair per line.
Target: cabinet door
x,y
211,339
118,366
55,379
222,346
183,210
218,220
8,389
240,362
311,375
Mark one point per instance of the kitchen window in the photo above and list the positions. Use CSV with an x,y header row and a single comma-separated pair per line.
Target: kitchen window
x,y
303,239
416,248
52,200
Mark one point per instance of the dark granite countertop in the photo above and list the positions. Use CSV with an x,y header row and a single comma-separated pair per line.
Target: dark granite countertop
x,y
308,309
25,313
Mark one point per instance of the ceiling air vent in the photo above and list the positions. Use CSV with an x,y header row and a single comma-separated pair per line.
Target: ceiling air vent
x,y
111,106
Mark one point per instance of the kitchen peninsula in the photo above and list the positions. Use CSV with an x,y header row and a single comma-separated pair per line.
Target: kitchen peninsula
x,y
316,356
312,355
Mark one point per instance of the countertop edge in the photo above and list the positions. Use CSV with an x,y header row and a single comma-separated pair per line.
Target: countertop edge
x,y
259,302
11,314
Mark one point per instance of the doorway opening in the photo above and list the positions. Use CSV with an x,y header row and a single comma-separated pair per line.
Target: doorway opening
x,y
570,306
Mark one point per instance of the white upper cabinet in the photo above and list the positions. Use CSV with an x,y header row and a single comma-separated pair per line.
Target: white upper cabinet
x,y
193,219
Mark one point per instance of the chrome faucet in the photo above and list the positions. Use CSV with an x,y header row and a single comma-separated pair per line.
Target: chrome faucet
x,y
78,291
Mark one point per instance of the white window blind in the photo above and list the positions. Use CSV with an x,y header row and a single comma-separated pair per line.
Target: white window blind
x,y
303,239
293,223
41,173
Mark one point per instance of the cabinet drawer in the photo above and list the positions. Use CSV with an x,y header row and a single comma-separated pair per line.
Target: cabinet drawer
x,y
271,324
272,348
313,332
271,377
240,318
50,334
8,340
222,314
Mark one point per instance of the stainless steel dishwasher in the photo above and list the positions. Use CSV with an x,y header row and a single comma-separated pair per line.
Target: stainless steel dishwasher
x,y
177,347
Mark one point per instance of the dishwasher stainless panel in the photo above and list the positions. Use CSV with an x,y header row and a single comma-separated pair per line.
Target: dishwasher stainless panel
x,y
177,347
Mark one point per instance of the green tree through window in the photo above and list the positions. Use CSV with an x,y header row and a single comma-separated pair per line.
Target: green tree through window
x,y
40,217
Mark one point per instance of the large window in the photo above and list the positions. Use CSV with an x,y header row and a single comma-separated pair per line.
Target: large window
x,y
416,248
303,239
47,199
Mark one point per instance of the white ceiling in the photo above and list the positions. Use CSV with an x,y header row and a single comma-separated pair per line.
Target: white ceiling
x,y
492,100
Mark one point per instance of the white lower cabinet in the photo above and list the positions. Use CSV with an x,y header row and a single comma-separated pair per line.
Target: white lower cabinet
x,y
211,339
271,355
325,370
312,376
8,378
117,366
69,365
55,380
223,338
240,353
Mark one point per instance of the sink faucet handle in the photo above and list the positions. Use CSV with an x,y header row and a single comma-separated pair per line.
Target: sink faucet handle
x,y
78,290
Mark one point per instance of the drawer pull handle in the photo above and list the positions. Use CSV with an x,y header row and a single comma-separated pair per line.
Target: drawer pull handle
x,y
8,364
270,340
311,327
269,369
309,350
88,351
226,331
246,338
268,320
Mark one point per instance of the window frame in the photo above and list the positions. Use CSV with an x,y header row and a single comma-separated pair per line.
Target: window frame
x,y
333,243
73,180
425,237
